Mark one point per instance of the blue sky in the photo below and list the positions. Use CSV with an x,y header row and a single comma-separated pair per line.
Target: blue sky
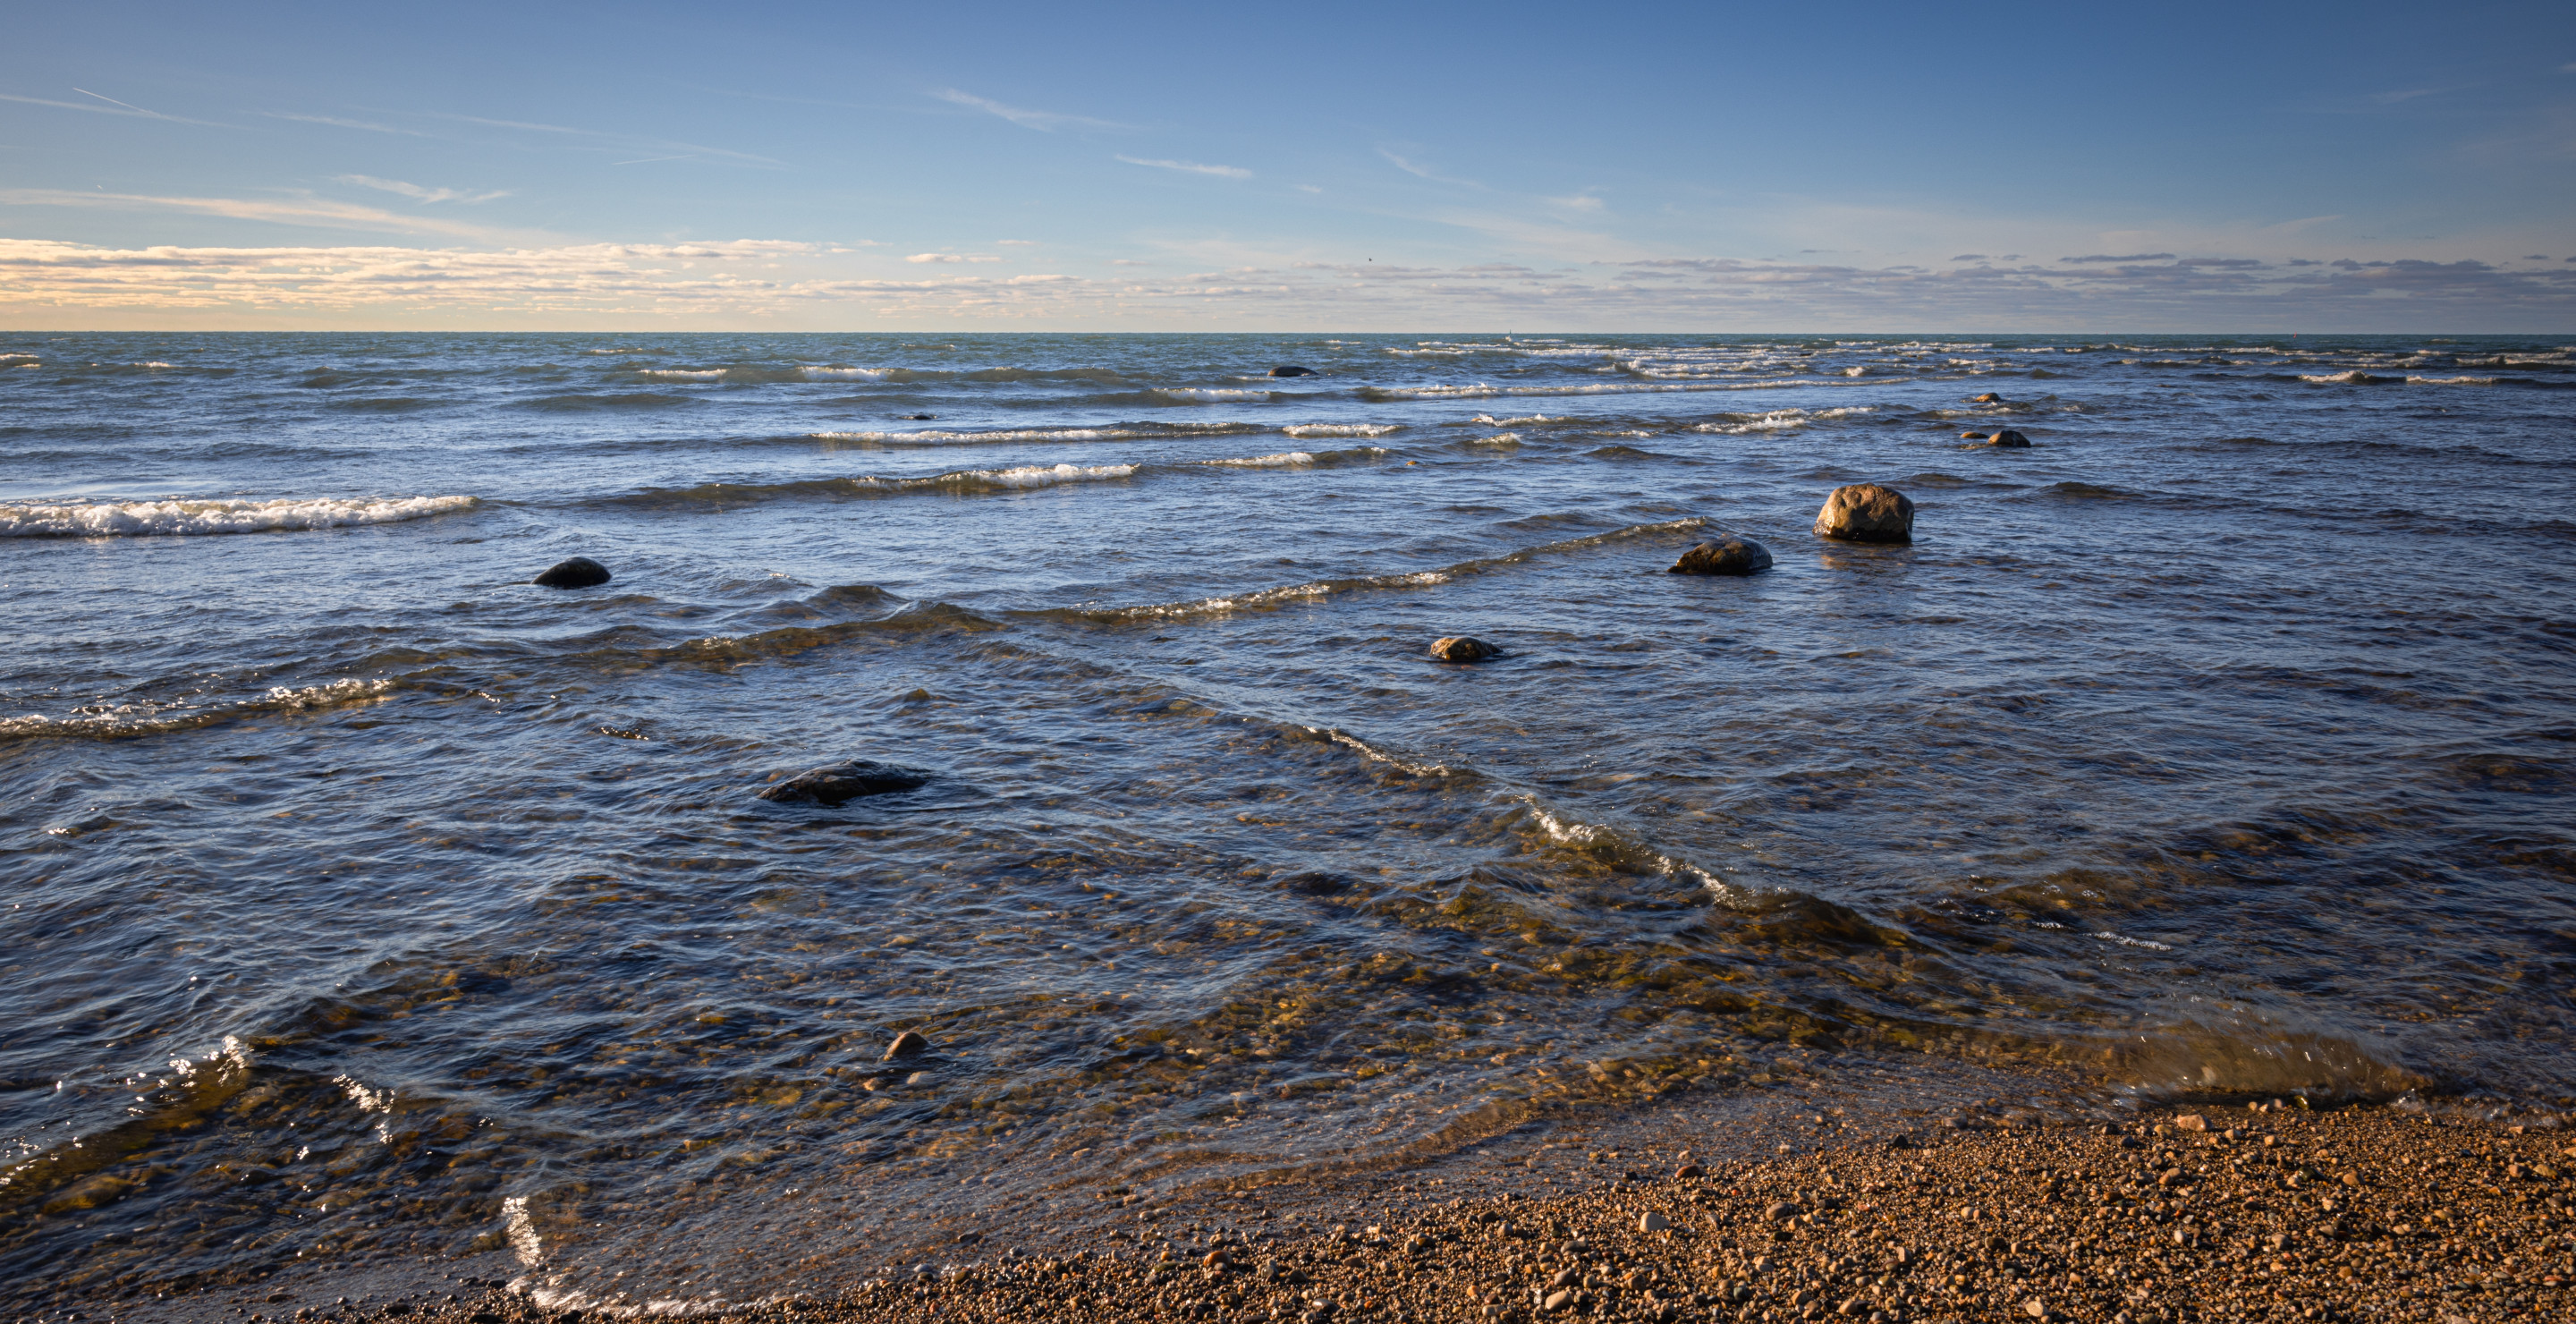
x,y
1888,167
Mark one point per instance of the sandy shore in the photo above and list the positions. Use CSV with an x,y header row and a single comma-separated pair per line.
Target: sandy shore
x,y
2280,1214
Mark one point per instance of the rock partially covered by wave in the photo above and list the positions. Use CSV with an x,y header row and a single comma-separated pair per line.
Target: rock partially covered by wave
x,y
843,782
1292,370
579,572
2008,438
1866,512
1460,648
1726,554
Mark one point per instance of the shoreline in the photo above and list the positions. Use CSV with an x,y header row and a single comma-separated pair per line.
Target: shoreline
x,y
2177,1214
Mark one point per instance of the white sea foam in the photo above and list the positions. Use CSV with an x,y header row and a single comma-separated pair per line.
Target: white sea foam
x,y
682,374
1027,475
2355,377
101,519
1306,430
819,372
938,436
1476,390
1738,425
2452,381
627,349
1526,420
1207,395
1498,439
1280,461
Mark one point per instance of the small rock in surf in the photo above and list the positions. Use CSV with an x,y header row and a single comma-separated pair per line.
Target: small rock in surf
x,y
1989,398
1462,649
579,572
1724,555
2008,438
844,782
910,1043
1292,370
921,416
1866,512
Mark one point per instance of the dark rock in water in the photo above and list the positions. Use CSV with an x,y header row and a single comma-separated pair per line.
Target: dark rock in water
x,y
579,572
1315,883
1972,436
1462,649
1989,398
921,416
1292,370
1866,512
2008,437
907,1044
845,781
1724,555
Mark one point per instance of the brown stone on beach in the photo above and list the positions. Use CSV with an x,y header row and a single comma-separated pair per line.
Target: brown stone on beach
x,y
1866,512
2191,1122
1724,555
1460,648
910,1043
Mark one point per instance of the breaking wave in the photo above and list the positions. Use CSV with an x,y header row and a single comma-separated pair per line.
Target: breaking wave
x,y
107,519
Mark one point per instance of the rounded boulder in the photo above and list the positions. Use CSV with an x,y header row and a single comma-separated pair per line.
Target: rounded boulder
x,y
1726,555
579,572
1866,512
843,782
1460,648
2010,439
1989,398
1292,370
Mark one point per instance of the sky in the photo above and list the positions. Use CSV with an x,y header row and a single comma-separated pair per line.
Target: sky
x,y
1511,167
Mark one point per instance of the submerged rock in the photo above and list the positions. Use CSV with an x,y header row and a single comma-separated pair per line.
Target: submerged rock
x,y
2008,438
579,572
1462,649
1292,370
910,1043
1724,555
844,781
1866,512
1989,398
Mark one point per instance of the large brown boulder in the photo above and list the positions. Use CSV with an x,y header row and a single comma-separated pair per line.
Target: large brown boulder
x,y
1725,554
1460,648
1866,512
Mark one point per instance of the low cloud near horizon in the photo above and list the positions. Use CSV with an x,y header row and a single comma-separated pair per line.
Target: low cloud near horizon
x,y
55,285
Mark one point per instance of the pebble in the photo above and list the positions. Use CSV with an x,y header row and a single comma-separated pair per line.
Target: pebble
x,y
910,1043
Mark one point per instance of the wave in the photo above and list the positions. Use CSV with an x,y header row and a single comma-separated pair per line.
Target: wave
x,y
1288,594
1303,431
1526,420
2355,377
819,372
1208,395
2452,381
1476,390
108,519
963,481
1112,432
1281,460
1775,420
102,722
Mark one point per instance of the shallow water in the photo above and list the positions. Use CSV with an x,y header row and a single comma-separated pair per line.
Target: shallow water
x,y
366,899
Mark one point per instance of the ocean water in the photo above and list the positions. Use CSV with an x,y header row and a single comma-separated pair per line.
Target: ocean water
x,y
365,900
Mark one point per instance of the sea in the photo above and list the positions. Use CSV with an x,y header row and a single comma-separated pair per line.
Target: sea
x,y
365,900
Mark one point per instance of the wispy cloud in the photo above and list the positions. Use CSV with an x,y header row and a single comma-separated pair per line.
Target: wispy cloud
x,y
952,257
336,122
2124,257
1423,171
1191,167
418,192
648,160
280,211
1015,243
626,141
109,106
1041,120
1578,202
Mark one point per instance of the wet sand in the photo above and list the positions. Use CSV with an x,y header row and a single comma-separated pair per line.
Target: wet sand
x,y
2244,1212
